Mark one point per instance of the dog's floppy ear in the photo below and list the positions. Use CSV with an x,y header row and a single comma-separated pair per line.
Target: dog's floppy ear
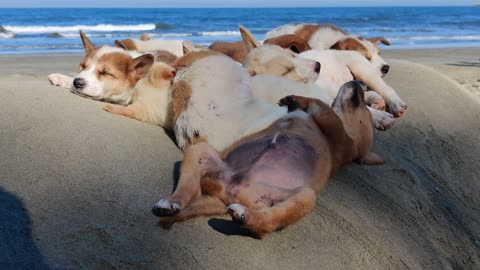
x,y
351,44
380,39
292,42
188,47
248,38
86,42
141,65
119,44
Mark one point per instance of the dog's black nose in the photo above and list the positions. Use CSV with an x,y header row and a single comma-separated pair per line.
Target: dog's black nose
x,y
79,83
317,67
385,69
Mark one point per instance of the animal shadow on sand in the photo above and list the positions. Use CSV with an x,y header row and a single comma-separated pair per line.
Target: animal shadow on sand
x,y
17,247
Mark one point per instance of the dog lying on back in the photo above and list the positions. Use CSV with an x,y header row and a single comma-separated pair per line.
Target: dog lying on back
x,y
328,36
272,160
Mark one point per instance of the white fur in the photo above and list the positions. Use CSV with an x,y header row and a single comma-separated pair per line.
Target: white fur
x,y
222,107
339,67
271,89
325,37
283,30
173,46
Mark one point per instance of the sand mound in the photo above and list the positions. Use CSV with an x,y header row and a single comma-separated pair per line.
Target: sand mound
x,y
88,179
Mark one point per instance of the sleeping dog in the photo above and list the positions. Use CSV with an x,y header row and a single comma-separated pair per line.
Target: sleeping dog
x,y
267,173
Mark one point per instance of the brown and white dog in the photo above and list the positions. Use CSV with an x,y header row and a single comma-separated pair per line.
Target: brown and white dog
x,y
106,73
238,50
269,177
327,36
338,67
112,75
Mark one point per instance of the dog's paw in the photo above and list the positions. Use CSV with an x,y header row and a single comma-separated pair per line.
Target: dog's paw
x,y
238,213
397,108
382,120
165,208
375,101
290,102
60,80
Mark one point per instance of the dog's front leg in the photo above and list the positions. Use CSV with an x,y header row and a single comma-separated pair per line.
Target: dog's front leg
x,y
364,71
266,220
61,80
199,159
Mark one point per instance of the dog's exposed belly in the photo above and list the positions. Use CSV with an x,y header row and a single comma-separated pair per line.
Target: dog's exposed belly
x,y
269,169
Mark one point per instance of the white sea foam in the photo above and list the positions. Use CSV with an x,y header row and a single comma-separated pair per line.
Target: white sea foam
x,y
220,33
7,35
94,28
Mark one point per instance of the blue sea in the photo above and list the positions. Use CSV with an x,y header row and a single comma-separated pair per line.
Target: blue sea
x,y
56,30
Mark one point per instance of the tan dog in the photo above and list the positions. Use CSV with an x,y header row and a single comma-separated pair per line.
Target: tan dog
x,y
106,73
269,179
238,50
150,101
327,36
146,96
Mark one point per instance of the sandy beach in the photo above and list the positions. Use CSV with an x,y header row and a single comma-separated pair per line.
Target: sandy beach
x,y
77,183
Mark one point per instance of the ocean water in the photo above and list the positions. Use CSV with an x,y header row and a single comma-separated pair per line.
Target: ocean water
x,y
56,30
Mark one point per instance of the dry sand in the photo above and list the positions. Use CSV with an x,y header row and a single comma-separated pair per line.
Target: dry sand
x,y
77,183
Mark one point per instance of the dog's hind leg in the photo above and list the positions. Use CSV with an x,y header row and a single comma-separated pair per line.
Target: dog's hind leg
x,y
200,159
201,206
266,220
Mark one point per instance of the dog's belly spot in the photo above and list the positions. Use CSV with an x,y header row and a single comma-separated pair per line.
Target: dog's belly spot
x,y
273,162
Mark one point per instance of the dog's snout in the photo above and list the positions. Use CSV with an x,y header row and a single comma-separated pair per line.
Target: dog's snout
x,y
385,69
317,67
79,83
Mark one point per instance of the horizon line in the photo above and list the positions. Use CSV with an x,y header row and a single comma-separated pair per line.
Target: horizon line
x,y
356,6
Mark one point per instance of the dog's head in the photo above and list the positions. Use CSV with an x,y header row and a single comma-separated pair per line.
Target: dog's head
x,y
109,73
357,120
368,47
275,60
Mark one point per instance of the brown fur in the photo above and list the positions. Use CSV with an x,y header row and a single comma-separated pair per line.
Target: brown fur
x,y
351,44
181,92
307,31
127,44
235,50
159,78
189,58
206,188
292,42
165,57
